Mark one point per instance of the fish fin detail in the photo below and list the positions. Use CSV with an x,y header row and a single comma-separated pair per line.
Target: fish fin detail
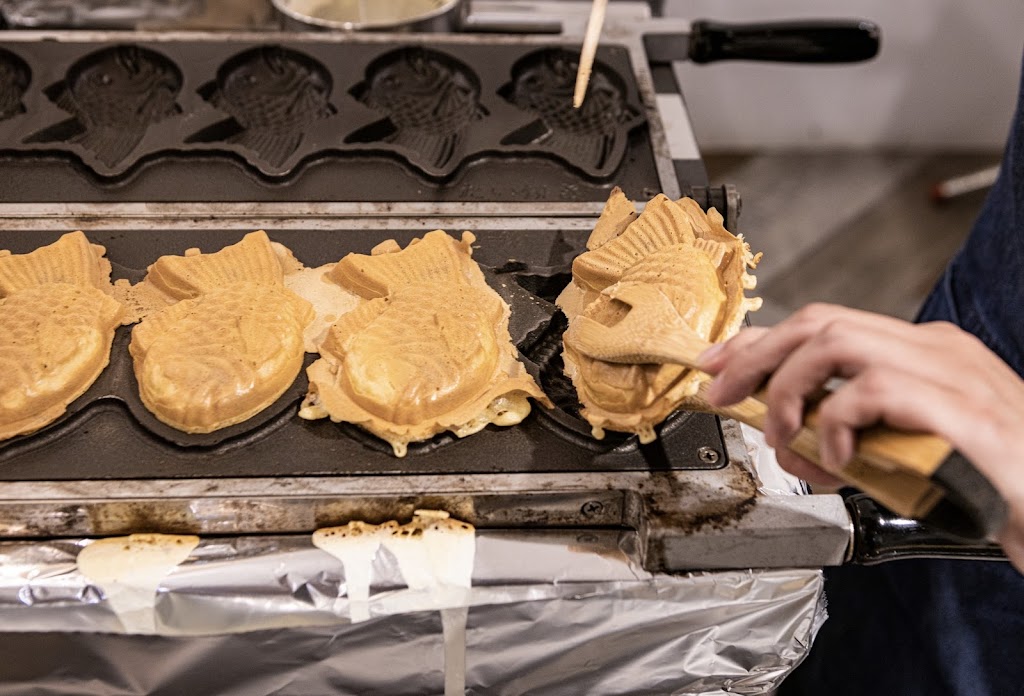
x,y
533,132
60,95
216,133
62,132
437,150
273,147
436,259
376,132
593,153
210,92
110,145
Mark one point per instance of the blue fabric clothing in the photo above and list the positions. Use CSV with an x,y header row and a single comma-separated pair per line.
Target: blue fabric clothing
x,y
929,627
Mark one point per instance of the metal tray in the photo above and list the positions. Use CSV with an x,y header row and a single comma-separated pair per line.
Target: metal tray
x,y
107,433
282,119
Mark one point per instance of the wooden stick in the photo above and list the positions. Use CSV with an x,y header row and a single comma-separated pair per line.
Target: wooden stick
x,y
590,40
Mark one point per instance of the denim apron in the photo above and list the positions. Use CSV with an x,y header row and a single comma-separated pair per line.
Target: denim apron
x,y
930,627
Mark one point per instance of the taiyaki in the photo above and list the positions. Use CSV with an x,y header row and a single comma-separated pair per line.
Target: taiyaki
x,y
593,136
14,80
229,347
273,95
57,324
694,261
428,350
114,96
430,99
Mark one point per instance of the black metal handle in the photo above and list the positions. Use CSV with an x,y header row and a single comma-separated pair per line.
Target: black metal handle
x,y
838,41
880,536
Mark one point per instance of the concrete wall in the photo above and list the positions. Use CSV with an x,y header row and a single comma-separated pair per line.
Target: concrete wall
x,y
947,77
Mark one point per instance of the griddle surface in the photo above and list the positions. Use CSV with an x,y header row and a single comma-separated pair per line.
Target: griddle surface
x,y
107,433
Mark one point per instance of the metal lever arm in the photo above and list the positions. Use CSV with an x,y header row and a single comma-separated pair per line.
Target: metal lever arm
x,y
847,41
880,536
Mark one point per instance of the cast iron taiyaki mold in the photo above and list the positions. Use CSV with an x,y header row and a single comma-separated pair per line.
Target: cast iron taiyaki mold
x,y
429,99
109,433
317,120
114,96
592,137
273,95
14,80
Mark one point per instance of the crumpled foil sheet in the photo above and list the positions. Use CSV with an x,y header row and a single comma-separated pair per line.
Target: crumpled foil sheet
x,y
268,615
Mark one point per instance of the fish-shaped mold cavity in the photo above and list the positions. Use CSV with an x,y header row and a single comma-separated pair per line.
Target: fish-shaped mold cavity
x,y
229,346
429,100
57,322
692,260
427,351
114,96
593,137
273,96
15,77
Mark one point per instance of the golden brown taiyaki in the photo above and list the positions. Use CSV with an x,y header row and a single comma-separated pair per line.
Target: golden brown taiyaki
x,y
428,351
227,351
693,260
57,323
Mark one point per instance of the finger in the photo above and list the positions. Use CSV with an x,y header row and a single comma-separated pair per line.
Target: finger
x,y
743,373
804,468
712,360
1012,540
841,348
881,394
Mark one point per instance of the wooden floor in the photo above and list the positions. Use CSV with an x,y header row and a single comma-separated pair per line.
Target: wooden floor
x,y
857,229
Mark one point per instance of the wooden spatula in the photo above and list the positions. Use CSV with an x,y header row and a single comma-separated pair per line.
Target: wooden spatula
x,y
914,474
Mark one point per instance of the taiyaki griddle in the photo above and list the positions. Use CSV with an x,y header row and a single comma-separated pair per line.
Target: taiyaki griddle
x,y
108,433
317,121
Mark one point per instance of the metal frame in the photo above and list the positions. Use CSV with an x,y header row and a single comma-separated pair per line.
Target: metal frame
x,y
684,520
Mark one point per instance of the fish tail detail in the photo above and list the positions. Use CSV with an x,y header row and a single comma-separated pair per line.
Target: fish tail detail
x,y
438,150
272,146
593,153
110,145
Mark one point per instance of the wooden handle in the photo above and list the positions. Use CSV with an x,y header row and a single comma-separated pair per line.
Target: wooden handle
x,y
887,466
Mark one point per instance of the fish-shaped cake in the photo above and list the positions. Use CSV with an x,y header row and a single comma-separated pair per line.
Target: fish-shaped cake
x,y
114,95
592,137
14,80
691,259
427,351
57,322
430,99
229,346
273,95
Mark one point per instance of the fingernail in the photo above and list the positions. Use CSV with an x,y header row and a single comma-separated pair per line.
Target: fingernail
x,y
708,356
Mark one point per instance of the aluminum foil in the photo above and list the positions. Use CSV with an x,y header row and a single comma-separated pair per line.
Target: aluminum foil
x,y
268,615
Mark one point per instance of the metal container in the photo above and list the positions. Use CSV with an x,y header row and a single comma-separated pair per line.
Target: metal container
x,y
372,15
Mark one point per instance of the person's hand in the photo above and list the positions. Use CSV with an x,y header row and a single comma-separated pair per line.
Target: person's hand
x,y
933,378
